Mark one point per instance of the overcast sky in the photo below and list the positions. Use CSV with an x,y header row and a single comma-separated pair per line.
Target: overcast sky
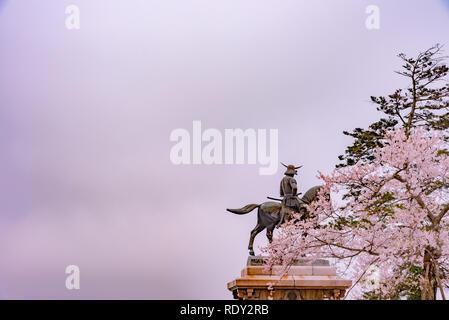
x,y
86,116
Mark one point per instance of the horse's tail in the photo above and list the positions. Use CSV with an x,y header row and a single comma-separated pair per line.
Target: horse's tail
x,y
245,209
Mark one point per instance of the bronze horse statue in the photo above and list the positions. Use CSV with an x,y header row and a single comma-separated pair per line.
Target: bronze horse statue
x,y
268,215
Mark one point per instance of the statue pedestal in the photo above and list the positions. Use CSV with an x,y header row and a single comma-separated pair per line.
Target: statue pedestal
x,y
303,281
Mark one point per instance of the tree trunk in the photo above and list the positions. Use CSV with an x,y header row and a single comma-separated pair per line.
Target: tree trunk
x,y
428,284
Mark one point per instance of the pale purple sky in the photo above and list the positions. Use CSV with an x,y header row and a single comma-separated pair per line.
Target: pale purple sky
x,y
85,119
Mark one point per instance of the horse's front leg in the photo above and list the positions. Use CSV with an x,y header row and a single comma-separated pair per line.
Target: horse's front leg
x,y
270,235
283,215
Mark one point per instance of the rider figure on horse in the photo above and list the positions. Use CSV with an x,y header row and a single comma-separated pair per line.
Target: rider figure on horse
x,y
289,192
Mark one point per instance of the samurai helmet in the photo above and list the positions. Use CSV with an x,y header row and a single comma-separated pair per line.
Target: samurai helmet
x,y
291,169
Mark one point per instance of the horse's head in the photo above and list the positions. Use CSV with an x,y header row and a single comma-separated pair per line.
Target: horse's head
x,y
311,195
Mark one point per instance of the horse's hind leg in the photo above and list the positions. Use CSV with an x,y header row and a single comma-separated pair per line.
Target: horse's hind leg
x,y
253,235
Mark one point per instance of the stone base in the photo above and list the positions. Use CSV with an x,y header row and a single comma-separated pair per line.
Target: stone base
x,y
305,280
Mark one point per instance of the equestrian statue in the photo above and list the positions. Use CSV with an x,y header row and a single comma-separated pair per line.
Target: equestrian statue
x,y
273,214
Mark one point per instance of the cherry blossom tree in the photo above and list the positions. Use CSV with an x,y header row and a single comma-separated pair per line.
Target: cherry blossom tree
x,y
389,215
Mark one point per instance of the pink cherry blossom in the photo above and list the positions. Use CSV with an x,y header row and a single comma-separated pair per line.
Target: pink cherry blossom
x,y
398,213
